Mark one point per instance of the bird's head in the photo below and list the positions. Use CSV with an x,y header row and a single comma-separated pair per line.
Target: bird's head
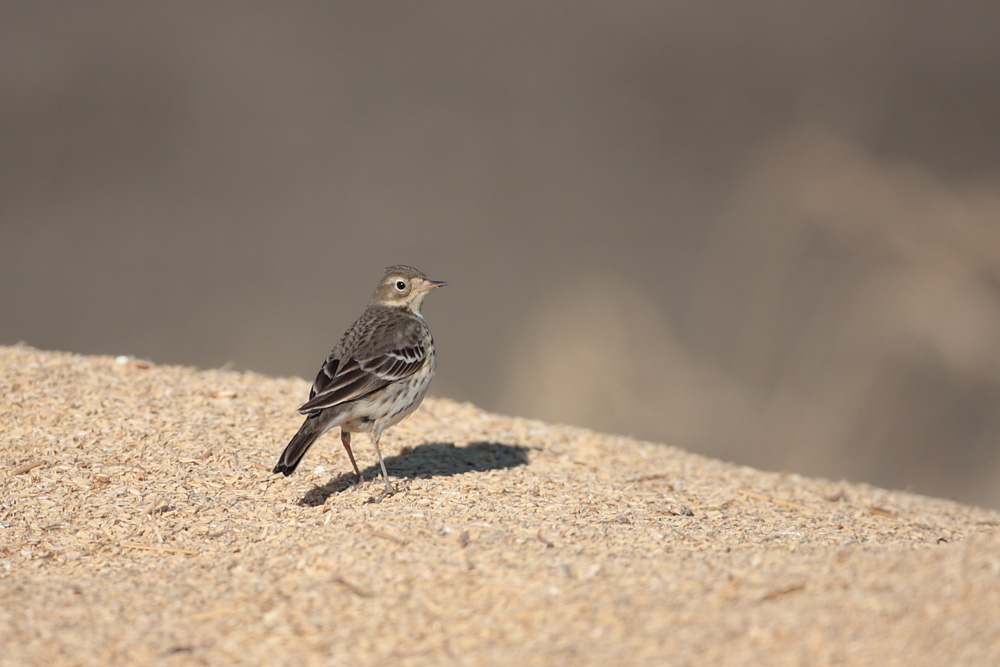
x,y
404,287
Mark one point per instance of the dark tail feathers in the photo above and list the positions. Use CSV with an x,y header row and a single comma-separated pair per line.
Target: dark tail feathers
x,y
298,446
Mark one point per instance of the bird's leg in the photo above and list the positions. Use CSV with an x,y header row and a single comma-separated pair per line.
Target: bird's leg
x,y
389,488
345,437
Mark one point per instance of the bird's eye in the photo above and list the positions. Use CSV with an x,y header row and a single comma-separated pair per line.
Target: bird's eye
x,y
400,285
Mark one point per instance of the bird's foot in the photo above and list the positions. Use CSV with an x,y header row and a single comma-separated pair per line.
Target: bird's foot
x,y
389,490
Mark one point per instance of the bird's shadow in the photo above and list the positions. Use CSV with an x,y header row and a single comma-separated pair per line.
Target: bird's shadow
x,y
442,459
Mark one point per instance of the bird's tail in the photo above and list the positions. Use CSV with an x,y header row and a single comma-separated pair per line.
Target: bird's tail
x,y
300,443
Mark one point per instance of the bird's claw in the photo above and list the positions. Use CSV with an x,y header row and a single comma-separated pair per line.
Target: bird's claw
x,y
389,490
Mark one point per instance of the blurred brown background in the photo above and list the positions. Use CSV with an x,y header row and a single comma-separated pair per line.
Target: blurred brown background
x,y
768,232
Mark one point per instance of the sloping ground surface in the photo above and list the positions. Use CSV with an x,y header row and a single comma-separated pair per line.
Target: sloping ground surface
x,y
141,525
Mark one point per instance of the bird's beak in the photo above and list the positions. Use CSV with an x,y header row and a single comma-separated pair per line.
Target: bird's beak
x,y
431,284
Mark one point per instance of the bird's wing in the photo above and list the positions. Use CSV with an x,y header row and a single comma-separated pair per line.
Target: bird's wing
x,y
373,367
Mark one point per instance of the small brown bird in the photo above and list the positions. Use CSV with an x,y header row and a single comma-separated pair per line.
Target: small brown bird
x,y
376,375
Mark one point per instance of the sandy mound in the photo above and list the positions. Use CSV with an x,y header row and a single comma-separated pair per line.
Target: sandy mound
x,y
141,524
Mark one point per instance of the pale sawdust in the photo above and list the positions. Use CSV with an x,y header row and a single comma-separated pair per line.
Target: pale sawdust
x,y
141,525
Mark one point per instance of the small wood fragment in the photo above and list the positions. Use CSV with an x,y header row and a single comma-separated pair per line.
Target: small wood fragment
x,y
878,511
27,467
388,536
772,499
649,477
357,590
171,550
205,615
782,592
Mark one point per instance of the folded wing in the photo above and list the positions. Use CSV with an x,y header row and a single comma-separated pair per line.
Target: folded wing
x,y
342,381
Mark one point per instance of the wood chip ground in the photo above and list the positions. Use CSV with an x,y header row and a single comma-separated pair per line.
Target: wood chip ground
x,y
140,524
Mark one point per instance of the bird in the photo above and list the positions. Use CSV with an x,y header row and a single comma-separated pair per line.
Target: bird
x,y
375,376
